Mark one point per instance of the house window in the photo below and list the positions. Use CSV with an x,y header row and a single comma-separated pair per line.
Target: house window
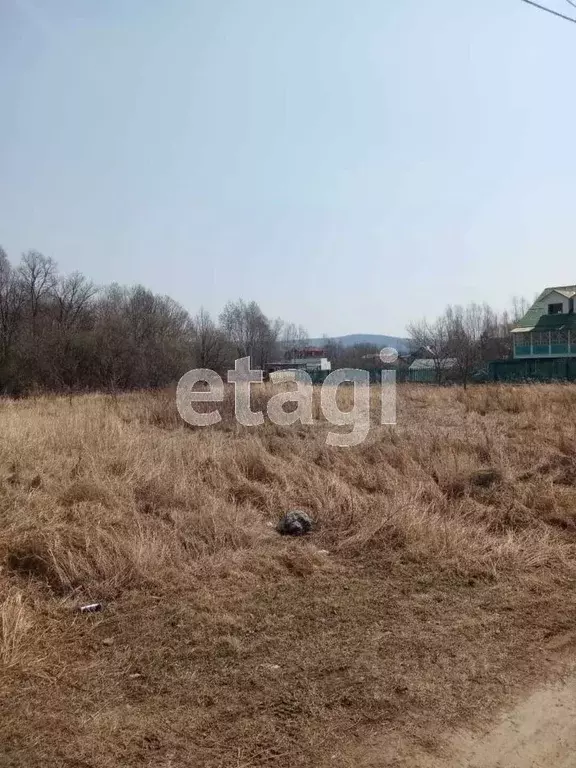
x,y
555,309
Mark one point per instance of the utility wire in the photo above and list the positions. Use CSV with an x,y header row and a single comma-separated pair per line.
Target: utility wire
x,y
549,10
572,3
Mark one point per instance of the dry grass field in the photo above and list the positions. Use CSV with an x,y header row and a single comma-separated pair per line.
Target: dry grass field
x,y
440,580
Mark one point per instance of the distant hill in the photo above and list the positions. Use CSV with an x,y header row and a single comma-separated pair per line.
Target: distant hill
x,y
400,344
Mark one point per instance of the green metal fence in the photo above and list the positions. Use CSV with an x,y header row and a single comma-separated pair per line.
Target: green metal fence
x,y
542,369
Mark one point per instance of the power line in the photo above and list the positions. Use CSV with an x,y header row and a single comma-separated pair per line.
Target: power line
x,y
549,10
572,3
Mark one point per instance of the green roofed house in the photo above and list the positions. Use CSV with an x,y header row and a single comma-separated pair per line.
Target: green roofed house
x,y
548,329
426,370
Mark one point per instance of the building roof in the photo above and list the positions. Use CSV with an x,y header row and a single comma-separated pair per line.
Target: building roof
x,y
546,323
425,364
537,318
565,290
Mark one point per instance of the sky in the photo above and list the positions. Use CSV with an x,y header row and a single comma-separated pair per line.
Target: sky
x,y
351,166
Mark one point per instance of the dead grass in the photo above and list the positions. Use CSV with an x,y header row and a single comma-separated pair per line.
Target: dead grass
x,y
441,569
14,624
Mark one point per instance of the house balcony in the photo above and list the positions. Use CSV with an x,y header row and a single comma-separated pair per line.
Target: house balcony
x,y
536,343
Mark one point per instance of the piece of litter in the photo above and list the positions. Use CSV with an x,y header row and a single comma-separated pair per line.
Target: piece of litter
x,y
295,523
108,641
135,675
323,552
92,608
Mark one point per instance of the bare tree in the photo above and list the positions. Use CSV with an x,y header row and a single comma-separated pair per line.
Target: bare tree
x,y
38,276
11,304
293,335
465,327
210,346
143,339
432,339
249,331
72,295
520,305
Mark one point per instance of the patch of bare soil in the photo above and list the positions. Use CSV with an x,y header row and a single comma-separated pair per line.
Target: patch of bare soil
x,y
539,733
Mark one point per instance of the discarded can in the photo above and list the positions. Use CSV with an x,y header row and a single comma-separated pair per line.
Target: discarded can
x,y
92,608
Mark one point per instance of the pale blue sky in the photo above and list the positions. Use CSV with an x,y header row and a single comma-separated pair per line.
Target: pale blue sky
x,y
349,165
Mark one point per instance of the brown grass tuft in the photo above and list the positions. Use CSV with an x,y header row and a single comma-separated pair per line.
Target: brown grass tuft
x,y
14,625
84,489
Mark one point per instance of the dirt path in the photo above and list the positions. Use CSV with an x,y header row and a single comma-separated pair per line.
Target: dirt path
x,y
539,733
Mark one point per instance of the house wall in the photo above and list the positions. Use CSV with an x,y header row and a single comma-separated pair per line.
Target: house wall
x,y
422,375
556,298
310,363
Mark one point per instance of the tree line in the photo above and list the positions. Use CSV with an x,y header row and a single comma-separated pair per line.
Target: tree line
x,y
63,333
459,343
463,339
